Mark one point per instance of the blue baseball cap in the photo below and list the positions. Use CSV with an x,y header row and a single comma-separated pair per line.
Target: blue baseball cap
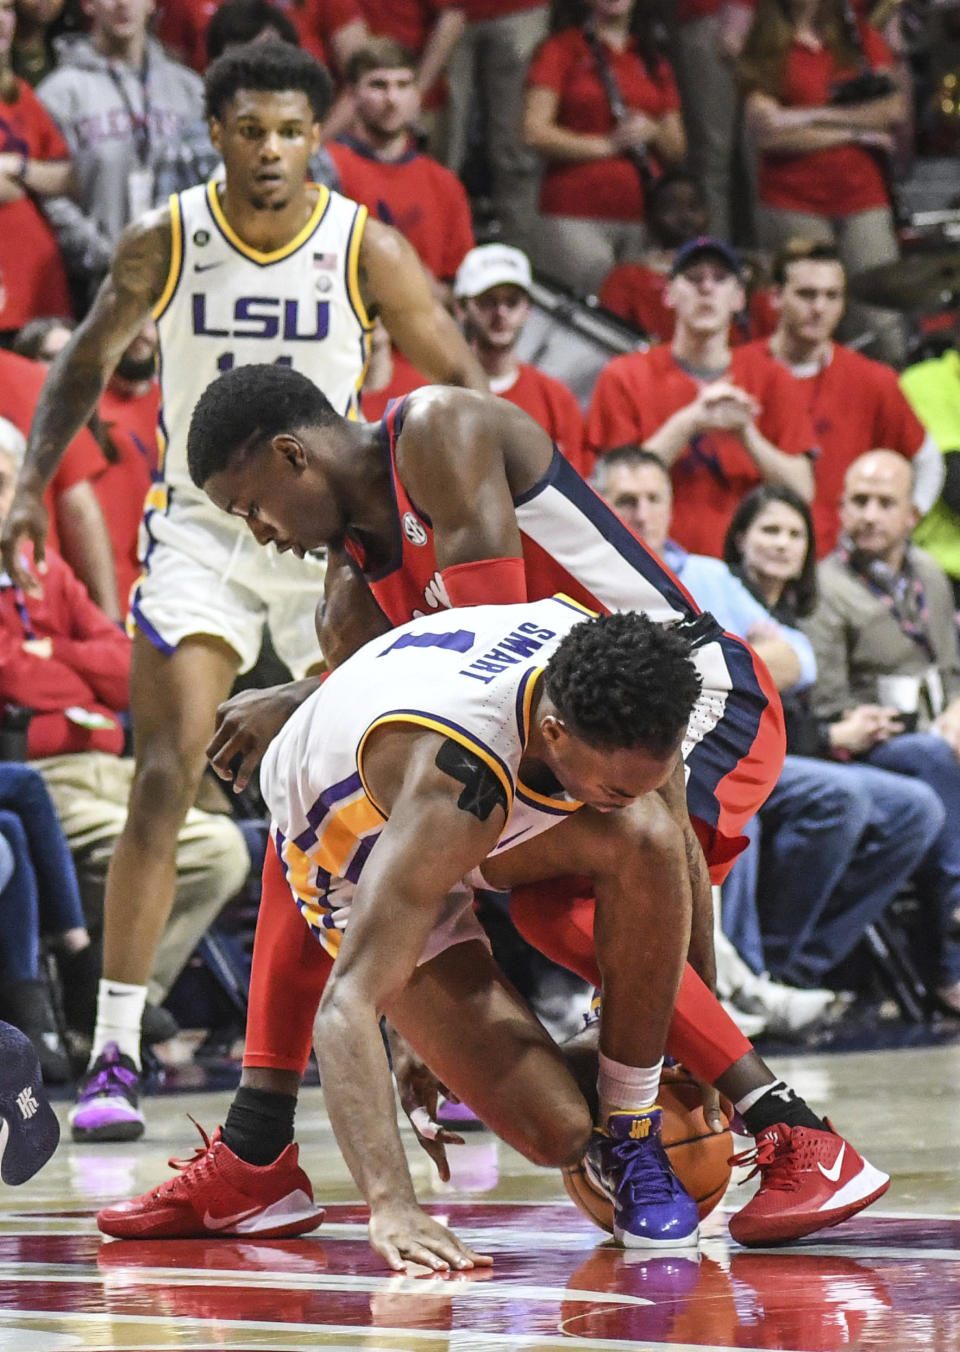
x,y
706,246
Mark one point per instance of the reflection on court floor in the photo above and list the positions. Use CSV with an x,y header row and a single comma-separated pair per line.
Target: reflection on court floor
x,y
888,1281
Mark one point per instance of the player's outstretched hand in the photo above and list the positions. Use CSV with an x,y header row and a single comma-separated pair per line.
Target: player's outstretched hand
x,y
401,1233
26,520
248,723
420,1092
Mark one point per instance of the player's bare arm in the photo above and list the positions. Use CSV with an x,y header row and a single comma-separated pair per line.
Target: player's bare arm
x,y
80,372
348,615
434,790
463,458
347,618
396,289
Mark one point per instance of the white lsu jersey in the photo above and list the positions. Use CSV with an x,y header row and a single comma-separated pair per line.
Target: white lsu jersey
x,y
226,304
469,674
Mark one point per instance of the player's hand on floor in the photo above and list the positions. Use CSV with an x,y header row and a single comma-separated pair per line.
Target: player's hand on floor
x,y
247,724
420,1092
401,1233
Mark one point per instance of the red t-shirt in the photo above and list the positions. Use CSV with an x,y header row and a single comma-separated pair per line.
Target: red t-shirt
x,y
122,486
416,194
20,384
607,189
479,11
554,407
548,401
636,292
878,417
409,22
89,667
636,394
834,182
182,25
32,275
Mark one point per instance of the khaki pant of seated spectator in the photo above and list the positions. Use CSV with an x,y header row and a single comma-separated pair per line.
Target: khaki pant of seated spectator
x,y
90,792
863,240
711,116
579,251
489,64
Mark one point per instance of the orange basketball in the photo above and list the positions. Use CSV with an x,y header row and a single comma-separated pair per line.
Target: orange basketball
x,y
697,1155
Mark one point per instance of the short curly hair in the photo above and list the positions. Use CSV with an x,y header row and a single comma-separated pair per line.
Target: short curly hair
x,y
623,681
272,67
245,407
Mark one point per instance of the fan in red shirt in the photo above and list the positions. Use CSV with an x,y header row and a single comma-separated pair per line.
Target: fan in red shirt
x,y
821,108
676,213
125,430
492,290
722,419
593,196
380,166
430,29
34,163
325,28
855,404
77,527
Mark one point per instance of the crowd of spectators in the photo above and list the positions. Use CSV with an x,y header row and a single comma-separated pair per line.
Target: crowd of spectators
x,y
712,175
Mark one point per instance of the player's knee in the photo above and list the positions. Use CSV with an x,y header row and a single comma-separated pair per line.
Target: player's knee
x,y
651,836
558,1136
164,786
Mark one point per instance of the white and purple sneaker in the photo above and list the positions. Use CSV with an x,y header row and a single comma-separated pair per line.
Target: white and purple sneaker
x,y
106,1107
651,1207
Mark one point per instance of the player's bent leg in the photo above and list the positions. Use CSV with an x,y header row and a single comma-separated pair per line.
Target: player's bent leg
x,y
287,977
173,702
483,1042
636,861
220,1191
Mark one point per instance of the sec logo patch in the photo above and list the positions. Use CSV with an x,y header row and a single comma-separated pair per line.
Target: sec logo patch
x,y
413,530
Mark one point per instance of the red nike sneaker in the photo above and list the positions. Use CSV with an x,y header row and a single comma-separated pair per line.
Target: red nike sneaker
x,y
216,1193
809,1180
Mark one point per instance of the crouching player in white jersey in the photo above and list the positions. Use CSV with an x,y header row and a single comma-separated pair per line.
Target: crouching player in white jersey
x,y
261,267
490,746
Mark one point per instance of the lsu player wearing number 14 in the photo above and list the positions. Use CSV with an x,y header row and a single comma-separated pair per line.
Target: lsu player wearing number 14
x,y
226,304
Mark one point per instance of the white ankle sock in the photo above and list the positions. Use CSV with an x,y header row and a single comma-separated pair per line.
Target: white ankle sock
x,y
119,1013
624,1088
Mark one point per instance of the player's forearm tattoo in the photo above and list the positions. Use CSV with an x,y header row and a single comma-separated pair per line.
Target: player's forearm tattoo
x,y
68,397
482,790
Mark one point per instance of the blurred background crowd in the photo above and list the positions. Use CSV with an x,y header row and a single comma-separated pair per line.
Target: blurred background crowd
x,y
713,247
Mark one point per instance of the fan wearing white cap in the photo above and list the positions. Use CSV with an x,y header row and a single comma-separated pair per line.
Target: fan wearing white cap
x,y
492,303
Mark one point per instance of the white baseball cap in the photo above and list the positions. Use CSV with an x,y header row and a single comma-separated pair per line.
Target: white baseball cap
x,y
491,265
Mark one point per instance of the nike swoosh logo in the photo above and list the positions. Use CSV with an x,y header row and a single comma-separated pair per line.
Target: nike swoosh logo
x,y
222,1222
4,1138
833,1173
118,995
205,267
516,836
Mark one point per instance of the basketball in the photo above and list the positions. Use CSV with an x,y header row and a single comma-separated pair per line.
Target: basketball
x,y
698,1156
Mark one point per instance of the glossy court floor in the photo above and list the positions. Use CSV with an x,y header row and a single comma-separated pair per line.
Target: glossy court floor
x,y
888,1281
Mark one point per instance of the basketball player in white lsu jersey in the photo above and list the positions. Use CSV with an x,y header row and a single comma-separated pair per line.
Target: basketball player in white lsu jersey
x,y
260,267
485,746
